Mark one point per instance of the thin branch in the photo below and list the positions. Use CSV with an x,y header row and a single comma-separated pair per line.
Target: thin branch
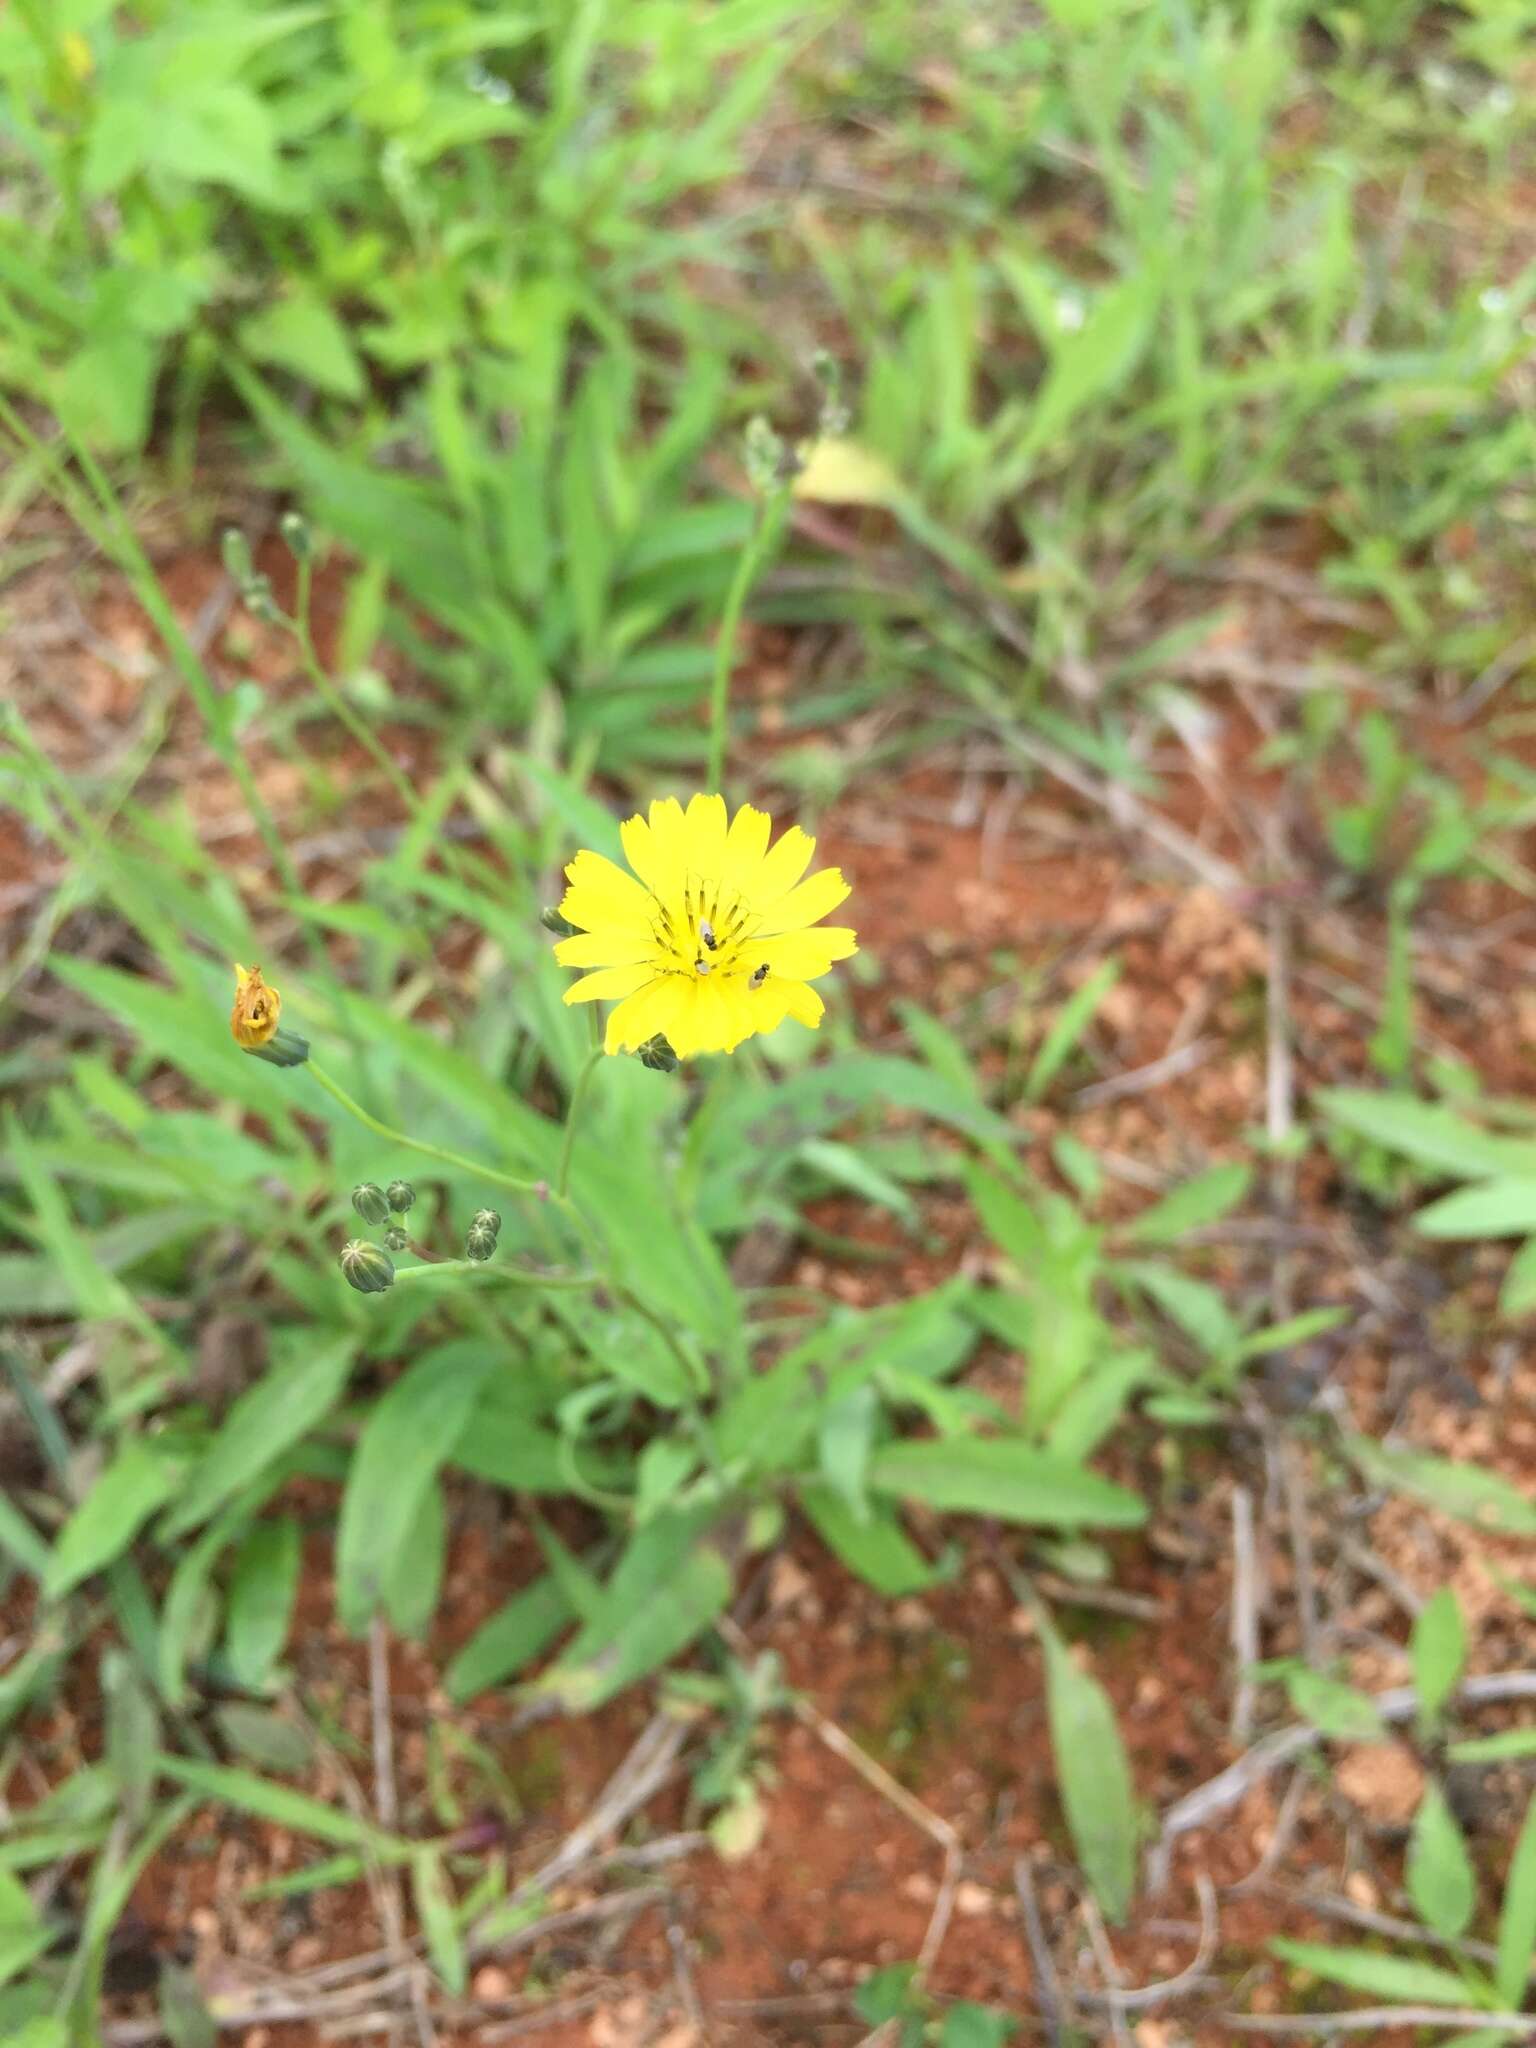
x,y
1218,1795
1047,1986
1169,1987
1371,2019
1245,1613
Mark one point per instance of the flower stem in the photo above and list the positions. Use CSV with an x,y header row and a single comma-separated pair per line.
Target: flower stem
x,y
335,701
539,1189
766,526
519,1276
573,1112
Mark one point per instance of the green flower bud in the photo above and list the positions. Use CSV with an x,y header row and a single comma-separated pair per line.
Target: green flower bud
x,y
763,452
370,1202
260,602
396,1239
479,1244
236,550
658,1055
366,1268
486,1219
552,921
295,531
400,1195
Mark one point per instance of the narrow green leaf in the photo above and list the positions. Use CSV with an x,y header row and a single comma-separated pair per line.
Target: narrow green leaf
x,y
439,1922
415,1582
512,1637
1465,1491
262,1590
1006,1477
876,1547
140,1479
1067,1028
1093,1774
1205,1199
1505,1747
20,1540
133,1733
1496,1208
1427,1133
1384,1976
279,1804
1517,1291
1335,1708
1440,1877
269,1417
405,1441
1517,1917
650,1628
1439,1652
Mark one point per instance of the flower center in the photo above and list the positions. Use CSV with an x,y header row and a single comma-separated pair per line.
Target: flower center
x,y
704,930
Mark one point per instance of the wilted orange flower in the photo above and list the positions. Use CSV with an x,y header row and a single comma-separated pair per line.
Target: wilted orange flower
x,y
253,1020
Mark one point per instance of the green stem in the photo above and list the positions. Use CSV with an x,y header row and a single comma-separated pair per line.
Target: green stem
x,y
573,1112
336,702
519,1276
537,1188
760,542
104,522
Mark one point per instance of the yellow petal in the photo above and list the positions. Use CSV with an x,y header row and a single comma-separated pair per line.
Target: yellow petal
x,y
704,837
610,946
640,1016
609,984
781,868
815,896
804,955
605,893
804,1005
745,845
640,850
705,1020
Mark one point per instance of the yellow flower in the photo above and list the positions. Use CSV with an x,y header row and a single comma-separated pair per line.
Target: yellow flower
x,y
253,1020
718,939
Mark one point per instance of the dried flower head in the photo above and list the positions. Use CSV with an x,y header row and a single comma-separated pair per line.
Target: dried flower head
x,y
253,1020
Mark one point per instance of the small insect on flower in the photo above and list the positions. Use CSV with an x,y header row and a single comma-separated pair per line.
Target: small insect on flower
x,y
253,1021
714,935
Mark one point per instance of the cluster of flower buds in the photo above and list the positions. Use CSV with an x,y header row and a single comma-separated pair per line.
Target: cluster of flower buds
x,y
834,419
484,1230
255,587
770,460
363,1265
